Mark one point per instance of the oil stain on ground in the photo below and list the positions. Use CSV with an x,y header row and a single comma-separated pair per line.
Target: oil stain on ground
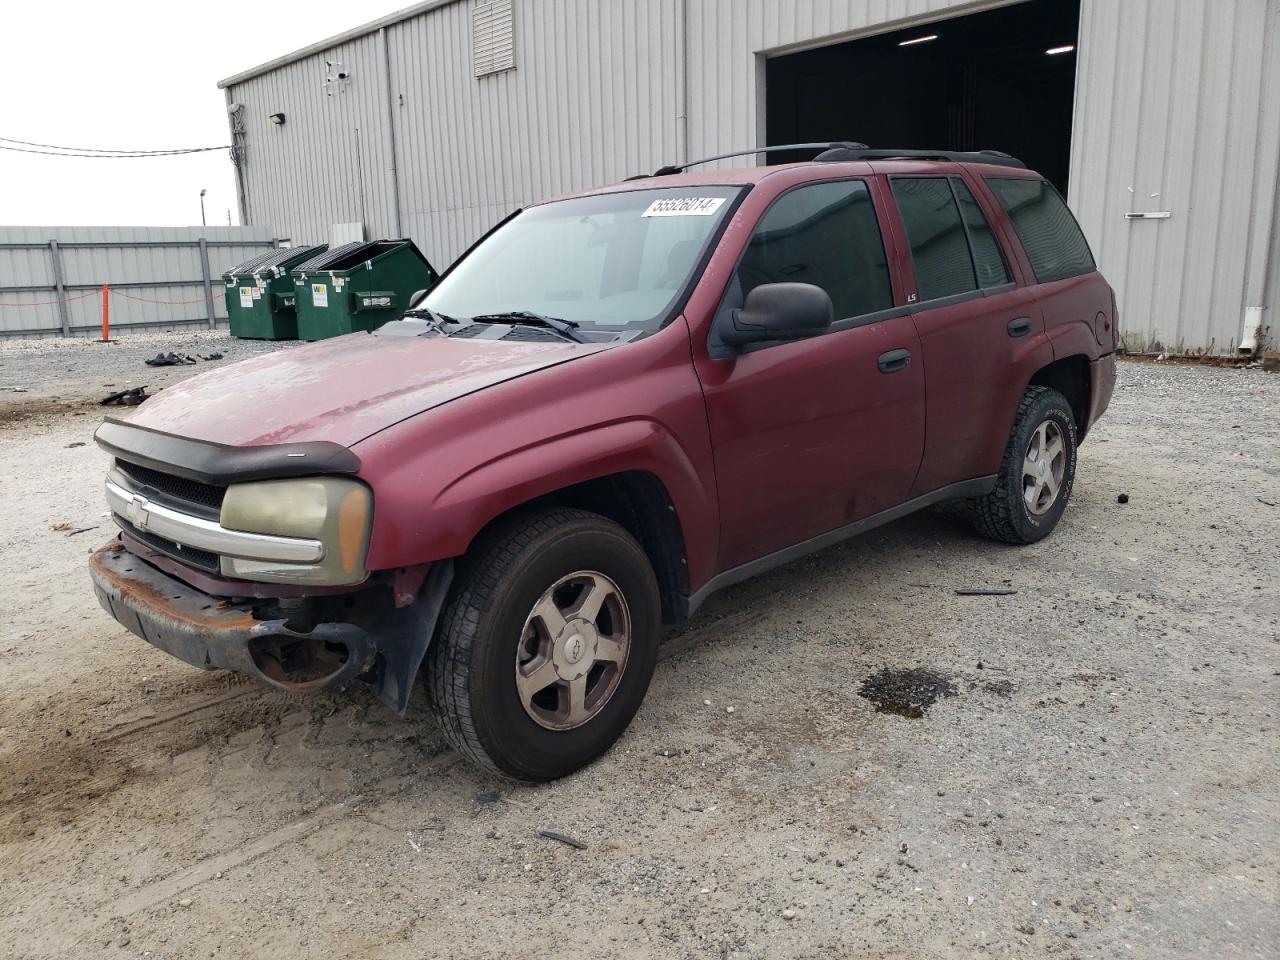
x,y
907,693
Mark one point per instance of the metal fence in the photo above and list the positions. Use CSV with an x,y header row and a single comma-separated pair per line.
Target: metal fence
x,y
51,278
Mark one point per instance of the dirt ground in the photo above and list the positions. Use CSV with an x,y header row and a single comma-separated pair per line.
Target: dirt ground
x,y
1098,774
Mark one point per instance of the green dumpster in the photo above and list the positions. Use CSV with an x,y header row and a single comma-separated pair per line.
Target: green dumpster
x,y
358,286
260,294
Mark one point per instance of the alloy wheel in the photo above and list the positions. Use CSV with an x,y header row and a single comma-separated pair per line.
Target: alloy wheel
x,y
1043,467
573,650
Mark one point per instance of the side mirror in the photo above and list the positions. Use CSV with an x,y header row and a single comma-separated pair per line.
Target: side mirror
x,y
779,311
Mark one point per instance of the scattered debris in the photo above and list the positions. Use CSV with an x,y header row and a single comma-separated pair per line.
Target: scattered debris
x,y
1267,503
61,525
984,592
669,752
788,914
906,693
125,398
484,798
184,902
417,848
169,360
212,356
78,443
1123,498
72,533
562,838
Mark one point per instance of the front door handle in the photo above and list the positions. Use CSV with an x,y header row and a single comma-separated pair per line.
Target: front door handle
x,y
894,360
1019,327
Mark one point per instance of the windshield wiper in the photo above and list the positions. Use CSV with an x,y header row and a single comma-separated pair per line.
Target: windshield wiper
x,y
437,319
566,328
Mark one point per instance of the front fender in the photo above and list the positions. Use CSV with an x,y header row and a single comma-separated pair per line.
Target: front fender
x,y
442,524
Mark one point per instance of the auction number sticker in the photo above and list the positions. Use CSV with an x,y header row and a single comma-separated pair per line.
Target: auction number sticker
x,y
684,207
246,296
320,294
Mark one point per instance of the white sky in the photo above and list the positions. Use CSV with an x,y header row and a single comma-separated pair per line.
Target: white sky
x,y
138,75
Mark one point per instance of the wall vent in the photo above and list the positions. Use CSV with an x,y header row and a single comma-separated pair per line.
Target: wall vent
x,y
493,47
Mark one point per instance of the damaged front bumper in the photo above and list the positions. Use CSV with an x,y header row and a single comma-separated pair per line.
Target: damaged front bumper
x,y
288,647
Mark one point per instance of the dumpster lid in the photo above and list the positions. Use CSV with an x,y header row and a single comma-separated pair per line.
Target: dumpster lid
x,y
282,259
351,255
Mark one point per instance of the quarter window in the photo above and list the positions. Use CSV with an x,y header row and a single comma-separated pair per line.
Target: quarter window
x,y
987,261
1049,233
825,234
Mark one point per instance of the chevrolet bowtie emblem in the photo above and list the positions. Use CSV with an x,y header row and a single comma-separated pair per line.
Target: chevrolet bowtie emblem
x,y
136,511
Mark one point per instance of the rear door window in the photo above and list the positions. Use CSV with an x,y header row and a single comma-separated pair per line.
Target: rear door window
x,y
826,234
988,262
1049,233
936,233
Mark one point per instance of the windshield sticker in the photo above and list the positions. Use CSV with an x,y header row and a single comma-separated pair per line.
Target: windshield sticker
x,y
684,207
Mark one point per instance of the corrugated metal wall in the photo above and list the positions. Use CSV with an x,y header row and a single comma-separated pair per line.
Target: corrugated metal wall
x,y
156,275
1171,98
1178,109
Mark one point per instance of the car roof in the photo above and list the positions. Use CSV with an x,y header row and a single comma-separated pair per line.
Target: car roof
x,y
740,176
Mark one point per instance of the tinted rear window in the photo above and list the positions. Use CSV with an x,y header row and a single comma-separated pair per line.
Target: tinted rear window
x,y
987,260
939,247
1049,233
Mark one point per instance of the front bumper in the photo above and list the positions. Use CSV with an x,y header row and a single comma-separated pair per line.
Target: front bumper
x,y
313,644
220,635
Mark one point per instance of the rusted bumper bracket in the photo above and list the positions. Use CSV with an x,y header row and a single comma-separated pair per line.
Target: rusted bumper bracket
x,y
215,635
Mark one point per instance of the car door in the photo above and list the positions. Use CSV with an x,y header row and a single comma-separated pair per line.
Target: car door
x,y
813,434
981,332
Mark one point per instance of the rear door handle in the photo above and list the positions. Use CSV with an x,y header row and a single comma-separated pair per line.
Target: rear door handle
x,y
1019,327
894,360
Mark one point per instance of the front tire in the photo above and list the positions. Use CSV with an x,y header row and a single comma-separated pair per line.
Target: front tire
x,y
1036,474
547,644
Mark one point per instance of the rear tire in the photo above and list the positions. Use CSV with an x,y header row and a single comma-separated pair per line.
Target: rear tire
x,y
1036,474
547,644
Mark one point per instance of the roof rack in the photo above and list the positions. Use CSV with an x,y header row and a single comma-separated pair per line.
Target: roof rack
x,y
681,167
844,150
996,157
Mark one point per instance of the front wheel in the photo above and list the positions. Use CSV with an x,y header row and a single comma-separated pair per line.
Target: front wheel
x,y
1036,474
547,644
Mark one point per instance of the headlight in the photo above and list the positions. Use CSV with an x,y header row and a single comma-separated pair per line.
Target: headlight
x,y
337,511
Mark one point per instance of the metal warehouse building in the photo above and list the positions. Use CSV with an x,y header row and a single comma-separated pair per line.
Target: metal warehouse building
x,y
1159,118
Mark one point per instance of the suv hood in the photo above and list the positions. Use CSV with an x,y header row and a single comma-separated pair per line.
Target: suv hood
x,y
341,390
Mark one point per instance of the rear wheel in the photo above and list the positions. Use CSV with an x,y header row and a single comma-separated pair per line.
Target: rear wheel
x,y
547,644
1036,474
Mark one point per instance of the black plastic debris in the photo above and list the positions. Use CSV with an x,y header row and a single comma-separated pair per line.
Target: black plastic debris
x,y
125,398
169,360
563,838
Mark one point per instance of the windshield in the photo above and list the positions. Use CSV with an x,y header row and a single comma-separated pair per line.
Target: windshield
x,y
613,261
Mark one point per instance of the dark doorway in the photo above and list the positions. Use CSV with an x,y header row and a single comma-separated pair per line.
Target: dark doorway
x,y
985,82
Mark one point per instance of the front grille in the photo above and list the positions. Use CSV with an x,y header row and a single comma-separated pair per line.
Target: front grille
x,y
192,557
177,490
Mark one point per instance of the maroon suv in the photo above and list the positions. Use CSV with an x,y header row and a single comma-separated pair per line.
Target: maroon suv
x,y
613,405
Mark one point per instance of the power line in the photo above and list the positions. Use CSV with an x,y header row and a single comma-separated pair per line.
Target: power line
x,y
52,150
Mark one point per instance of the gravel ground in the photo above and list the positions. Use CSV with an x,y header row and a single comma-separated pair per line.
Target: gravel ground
x,y
1090,767
43,375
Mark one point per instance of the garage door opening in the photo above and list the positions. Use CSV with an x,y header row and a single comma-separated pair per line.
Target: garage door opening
x,y
1003,79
